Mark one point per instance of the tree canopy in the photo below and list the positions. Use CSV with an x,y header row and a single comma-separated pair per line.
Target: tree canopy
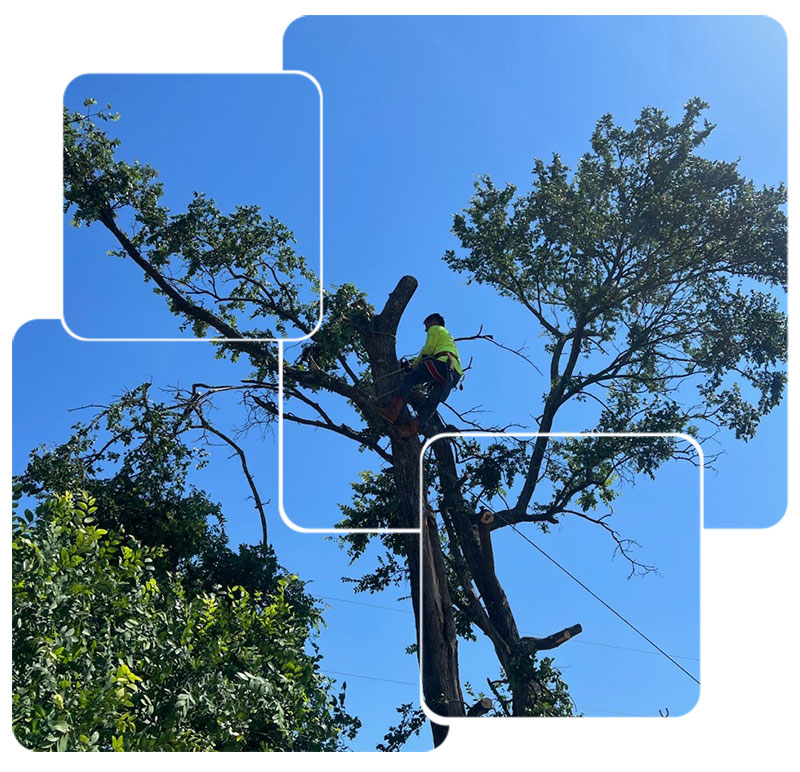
x,y
132,457
641,270
106,656
653,273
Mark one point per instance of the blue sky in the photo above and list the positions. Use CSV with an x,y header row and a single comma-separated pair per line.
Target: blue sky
x,y
414,110
241,140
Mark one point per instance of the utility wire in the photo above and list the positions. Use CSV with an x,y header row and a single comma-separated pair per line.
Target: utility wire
x,y
597,597
581,641
361,603
612,712
626,648
623,648
369,678
409,683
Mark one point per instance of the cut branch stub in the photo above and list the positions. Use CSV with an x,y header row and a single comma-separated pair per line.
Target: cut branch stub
x,y
551,641
388,319
481,707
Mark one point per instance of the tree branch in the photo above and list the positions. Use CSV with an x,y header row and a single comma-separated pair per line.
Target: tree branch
x,y
178,301
551,641
480,335
243,460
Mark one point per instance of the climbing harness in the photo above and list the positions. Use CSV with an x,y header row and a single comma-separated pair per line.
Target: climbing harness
x,y
450,357
434,373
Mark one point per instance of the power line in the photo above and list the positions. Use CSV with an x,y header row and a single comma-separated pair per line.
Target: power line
x,y
598,598
640,651
581,641
611,712
369,678
409,683
628,648
371,605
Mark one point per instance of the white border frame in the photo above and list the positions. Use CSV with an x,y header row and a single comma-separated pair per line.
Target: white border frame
x,y
449,720
321,262
281,509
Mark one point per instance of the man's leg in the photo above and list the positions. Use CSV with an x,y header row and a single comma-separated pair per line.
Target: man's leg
x,y
410,380
442,384
435,396
438,394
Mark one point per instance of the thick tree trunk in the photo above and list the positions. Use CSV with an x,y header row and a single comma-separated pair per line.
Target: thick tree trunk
x,y
474,542
436,636
433,608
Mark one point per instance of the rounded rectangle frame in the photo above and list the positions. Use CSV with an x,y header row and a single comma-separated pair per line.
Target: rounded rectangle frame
x,y
193,339
447,720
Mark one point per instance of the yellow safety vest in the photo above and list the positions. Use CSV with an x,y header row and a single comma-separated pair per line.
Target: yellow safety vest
x,y
440,345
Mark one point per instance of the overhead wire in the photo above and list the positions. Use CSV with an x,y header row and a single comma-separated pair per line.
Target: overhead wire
x,y
581,641
369,678
626,648
410,683
597,597
612,712
361,603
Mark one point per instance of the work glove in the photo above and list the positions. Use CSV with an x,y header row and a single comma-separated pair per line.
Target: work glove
x,y
405,365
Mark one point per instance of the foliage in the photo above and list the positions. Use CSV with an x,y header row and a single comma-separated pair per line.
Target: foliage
x,y
411,722
554,699
107,657
240,264
374,504
645,262
138,444
134,457
654,275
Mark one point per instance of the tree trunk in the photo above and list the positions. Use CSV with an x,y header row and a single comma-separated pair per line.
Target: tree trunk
x,y
475,545
437,643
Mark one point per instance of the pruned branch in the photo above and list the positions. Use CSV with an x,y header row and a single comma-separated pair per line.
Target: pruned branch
x,y
551,641
480,708
502,700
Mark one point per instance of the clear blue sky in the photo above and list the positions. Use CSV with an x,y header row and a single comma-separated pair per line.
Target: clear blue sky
x,y
246,139
414,110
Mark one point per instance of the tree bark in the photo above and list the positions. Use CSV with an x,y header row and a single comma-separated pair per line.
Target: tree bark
x,y
475,544
437,643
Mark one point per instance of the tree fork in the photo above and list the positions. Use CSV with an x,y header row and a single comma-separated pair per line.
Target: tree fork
x,y
475,540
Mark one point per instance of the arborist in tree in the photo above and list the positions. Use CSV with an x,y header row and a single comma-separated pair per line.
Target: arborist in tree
x,y
438,364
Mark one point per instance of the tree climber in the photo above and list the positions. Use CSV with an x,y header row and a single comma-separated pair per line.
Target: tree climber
x,y
436,363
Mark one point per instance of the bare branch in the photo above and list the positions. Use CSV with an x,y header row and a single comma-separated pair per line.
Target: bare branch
x,y
623,546
243,460
480,335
